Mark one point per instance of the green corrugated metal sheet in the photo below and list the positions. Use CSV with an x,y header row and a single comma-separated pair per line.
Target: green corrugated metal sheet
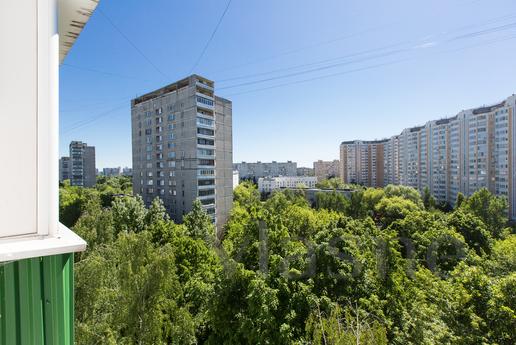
x,y
36,301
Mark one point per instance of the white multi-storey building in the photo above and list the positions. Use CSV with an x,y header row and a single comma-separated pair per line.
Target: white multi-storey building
x,y
472,150
270,184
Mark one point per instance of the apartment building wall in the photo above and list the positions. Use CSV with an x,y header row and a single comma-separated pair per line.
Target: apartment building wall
x,y
268,169
326,169
303,171
112,171
472,150
64,169
363,162
270,184
82,164
182,148
223,159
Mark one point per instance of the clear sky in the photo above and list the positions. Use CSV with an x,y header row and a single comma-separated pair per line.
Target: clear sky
x,y
303,75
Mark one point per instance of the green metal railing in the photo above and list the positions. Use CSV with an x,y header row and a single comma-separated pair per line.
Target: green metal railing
x,y
36,301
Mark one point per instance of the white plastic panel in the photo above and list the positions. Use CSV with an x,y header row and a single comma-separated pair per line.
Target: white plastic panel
x,y
18,117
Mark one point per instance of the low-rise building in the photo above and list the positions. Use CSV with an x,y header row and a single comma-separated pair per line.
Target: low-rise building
x,y
270,184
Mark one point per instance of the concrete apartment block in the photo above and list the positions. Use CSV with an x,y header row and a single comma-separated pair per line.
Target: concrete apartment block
x,y
327,169
253,171
82,164
64,169
472,150
182,148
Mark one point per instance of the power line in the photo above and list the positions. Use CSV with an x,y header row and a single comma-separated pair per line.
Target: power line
x,y
211,38
299,49
367,67
320,62
111,74
288,75
133,45
352,35
86,122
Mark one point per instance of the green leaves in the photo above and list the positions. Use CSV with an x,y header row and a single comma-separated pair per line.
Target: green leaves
x,y
384,266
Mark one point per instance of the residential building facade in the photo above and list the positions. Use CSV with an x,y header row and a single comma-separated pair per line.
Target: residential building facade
x,y
253,171
83,172
270,184
326,169
127,172
362,162
302,171
182,148
472,150
64,169
110,172
236,179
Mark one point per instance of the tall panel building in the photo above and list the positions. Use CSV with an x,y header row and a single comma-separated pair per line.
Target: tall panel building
x,y
64,168
182,148
326,169
363,162
472,150
82,164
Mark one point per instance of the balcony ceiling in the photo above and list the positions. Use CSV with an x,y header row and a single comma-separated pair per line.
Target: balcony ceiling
x,y
73,16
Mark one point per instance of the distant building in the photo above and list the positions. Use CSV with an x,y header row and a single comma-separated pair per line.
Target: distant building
x,y
82,162
305,171
270,184
253,171
127,171
182,148
326,169
236,179
110,172
64,169
474,149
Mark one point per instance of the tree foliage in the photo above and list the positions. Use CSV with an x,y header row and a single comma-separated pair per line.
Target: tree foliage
x,y
382,266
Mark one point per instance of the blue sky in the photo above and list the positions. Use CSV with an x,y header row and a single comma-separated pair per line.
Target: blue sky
x,y
303,75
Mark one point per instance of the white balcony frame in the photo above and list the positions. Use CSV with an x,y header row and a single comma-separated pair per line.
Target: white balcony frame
x,y
48,237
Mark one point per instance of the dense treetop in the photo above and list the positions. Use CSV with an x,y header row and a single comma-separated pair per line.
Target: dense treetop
x,y
383,266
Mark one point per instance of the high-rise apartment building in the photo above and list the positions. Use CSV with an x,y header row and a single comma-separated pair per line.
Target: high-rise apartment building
x,y
64,169
362,162
472,150
82,164
182,148
259,169
326,169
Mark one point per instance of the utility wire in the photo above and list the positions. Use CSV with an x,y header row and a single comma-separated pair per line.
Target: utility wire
x,y
299,49
289,75
368,67
87,69
211,38
86,122
133,45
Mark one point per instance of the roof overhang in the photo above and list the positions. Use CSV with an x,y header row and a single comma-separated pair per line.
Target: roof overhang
x,y
73,16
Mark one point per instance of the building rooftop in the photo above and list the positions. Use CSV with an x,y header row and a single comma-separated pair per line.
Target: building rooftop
x,y
172,87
